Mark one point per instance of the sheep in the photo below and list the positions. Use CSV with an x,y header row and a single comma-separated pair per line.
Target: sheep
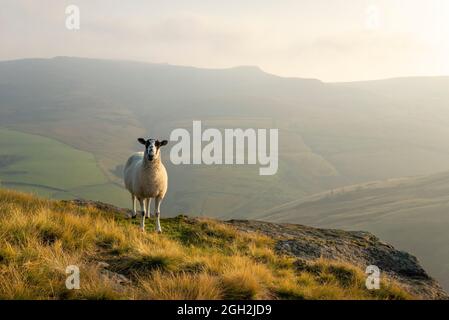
x,y
145,178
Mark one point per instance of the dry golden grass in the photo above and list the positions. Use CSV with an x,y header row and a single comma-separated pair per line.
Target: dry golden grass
x,y
193,259
180,286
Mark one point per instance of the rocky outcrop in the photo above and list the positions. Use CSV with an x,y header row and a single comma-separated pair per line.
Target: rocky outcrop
x,y
358,248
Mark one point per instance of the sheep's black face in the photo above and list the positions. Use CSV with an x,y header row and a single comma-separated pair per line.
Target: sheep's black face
x,y
152,147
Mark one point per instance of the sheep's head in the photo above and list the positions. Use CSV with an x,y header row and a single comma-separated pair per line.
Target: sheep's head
x,y
152,148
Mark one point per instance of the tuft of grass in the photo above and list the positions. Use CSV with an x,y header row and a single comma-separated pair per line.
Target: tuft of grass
x,y
193,259
244,279
180,286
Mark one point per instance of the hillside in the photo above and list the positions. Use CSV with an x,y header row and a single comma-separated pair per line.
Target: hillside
x,y
411,213
330,135
196,258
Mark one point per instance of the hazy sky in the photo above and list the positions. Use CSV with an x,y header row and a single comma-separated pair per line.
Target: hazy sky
x,y
332,40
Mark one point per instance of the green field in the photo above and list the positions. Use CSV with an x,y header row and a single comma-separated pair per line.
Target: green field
x,y
52,169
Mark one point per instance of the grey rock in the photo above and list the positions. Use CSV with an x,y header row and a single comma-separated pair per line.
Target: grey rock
x,y
357,247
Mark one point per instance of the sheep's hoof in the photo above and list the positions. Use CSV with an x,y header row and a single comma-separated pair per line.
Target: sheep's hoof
x,y
159,231
134,216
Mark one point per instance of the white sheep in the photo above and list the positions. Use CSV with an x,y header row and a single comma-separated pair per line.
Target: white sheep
x,y
145,178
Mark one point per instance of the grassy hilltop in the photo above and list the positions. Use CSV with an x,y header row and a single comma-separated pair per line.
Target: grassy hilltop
x,y
192,259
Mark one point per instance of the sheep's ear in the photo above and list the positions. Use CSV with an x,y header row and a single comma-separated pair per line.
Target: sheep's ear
x,y
163,143
142,141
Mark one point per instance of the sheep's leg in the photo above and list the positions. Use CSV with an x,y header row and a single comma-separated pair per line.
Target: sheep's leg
x,y
158,214
142,208
148,212
134,200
